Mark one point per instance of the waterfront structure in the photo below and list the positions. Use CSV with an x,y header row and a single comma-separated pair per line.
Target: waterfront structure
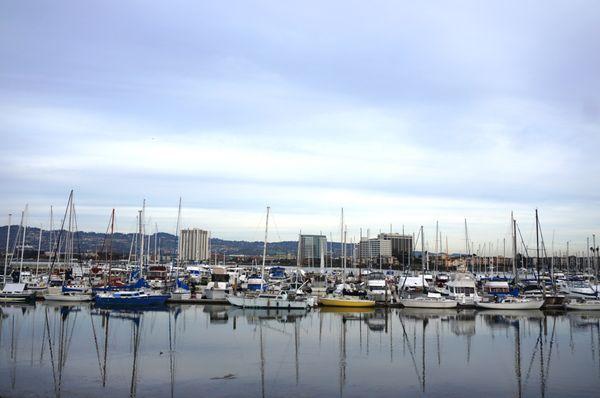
x,y
402,246
194,245
312,249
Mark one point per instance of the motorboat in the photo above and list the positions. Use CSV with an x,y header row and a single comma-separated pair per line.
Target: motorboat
x,y
16,292
377,288
218,287
431,300
462,289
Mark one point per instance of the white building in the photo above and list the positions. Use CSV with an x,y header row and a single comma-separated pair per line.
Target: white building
x,y
194,245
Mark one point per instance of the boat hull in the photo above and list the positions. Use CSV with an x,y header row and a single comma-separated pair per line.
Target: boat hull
x,y
527,305
145,301
16,297
426,303
588,305
263,302
68,298
346,302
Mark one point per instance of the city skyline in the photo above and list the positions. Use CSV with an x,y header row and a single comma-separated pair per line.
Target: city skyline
x,y
403,114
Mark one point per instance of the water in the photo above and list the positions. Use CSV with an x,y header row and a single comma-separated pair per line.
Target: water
x,y
52,350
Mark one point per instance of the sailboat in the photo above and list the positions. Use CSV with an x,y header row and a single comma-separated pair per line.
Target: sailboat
x,y
133,298
509,302
258,299
16,292
342,300
82,292
431,300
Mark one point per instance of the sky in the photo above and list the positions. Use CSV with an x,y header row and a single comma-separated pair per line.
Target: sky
x,y
403,113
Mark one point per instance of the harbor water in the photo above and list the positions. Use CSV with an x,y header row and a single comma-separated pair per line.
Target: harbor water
x,y
219,351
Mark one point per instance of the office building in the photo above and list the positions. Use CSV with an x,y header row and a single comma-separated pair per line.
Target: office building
x,y
402,246
371,250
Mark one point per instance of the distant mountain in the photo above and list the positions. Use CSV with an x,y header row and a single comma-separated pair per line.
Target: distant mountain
x,y
94,242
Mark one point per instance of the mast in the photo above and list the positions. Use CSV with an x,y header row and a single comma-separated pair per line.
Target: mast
x,y
110,254
466,246
37,263
262,268
514,236
51,228
538,265
177,231
597,258
23,214
422,259
436,246
141,240
343,263
6,254
155,243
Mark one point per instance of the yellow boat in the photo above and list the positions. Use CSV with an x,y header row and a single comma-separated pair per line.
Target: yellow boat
x,y
345,301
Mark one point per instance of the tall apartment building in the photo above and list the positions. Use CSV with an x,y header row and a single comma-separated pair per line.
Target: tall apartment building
x,y
194,245
312,249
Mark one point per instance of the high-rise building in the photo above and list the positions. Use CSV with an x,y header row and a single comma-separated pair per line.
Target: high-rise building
x,y
194,245
370,250
311,248
402,245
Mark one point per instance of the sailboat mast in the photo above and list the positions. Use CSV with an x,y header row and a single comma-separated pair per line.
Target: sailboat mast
x,y
514,236
37,263
537,245
264,257
177,231
141,241
422,258
343,263
110,254
7,242
23,214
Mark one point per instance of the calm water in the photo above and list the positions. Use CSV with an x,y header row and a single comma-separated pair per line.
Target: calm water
x,y
52,350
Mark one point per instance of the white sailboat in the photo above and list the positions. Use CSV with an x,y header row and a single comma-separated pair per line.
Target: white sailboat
x,y
431,300
583,304
509,302
265,300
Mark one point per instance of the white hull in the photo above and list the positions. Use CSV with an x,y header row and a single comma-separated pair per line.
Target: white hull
x,y
263,302
68,297
588,305
524,305
428,303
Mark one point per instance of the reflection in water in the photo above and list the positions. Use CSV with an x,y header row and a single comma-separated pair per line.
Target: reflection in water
x,y
66,351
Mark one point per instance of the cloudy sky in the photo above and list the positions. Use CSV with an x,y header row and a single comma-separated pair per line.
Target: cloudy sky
x,y
403,113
